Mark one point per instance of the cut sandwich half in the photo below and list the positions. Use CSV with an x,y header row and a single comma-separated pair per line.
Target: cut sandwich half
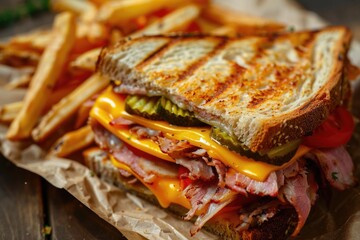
x,y
228,128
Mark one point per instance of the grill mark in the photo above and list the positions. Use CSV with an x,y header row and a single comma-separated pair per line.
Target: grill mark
x,y
201,61
157,54
262,95
309,40
237,72
303,48
261,46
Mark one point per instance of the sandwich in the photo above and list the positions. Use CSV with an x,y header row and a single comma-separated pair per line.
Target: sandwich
x,y
234,134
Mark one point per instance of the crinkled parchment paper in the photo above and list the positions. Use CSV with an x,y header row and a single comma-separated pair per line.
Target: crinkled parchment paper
x,y
336,215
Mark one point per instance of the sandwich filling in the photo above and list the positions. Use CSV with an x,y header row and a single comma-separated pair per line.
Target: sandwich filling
x,y
184,165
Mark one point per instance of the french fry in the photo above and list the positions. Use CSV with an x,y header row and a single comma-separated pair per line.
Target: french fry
x,y
172,22
85,9
225,30
49,68
9,111
99,2
86,61
115,36
83,113
72,142
67,106
117,12
15,57
245,24
36,40
207,26
19,82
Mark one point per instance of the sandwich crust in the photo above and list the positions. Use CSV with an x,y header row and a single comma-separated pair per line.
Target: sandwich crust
x,y
265,90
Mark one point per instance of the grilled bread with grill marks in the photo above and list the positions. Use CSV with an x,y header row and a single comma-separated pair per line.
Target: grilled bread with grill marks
x,y
265,90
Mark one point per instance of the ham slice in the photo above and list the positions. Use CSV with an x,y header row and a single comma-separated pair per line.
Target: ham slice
x,y
300,191
120,122
146,169
244,184
336,165
199,194
220,199
144,132
197,169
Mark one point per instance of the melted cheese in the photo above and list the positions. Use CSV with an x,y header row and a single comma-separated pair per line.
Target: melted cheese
x,y
110,106
166,190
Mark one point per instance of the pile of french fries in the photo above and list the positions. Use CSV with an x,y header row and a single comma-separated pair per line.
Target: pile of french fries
x,y
61,78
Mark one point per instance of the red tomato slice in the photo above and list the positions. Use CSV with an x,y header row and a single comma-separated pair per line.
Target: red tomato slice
x,y
335,131
184,181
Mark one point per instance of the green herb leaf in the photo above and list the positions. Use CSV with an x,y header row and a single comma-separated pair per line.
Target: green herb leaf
x,y
334,175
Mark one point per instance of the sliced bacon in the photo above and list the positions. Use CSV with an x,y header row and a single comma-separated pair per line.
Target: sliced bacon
x,y
221,199
197,169
175,148
199,194
105,139
336,165
298,193
144,132
244,184
125,156
256,215
146,169
120,122
221,171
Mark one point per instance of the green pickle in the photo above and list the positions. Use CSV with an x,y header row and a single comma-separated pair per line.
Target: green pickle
x,y
143,106
160,108
175,115
277,155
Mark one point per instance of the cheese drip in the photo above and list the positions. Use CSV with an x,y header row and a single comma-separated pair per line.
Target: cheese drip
x,y
166,190
110,106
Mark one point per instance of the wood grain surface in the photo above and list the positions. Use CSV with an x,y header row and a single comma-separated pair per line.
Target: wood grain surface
x,y
21,203
70,219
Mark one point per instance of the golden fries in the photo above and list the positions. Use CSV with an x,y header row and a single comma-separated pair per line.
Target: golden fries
x,y
83,113
67,106
244,23
225,30
72,142
172,22
19,82
86,10
117,12
86,61
9,111
47,72
36,40
16,57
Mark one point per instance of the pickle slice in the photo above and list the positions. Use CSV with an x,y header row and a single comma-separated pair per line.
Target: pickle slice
x,y
277,155
175,115
143,106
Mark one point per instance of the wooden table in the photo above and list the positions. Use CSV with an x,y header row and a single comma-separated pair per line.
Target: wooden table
x,y
28,203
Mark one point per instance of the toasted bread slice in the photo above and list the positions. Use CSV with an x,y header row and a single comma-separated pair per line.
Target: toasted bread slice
x,y
278,227
265,90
